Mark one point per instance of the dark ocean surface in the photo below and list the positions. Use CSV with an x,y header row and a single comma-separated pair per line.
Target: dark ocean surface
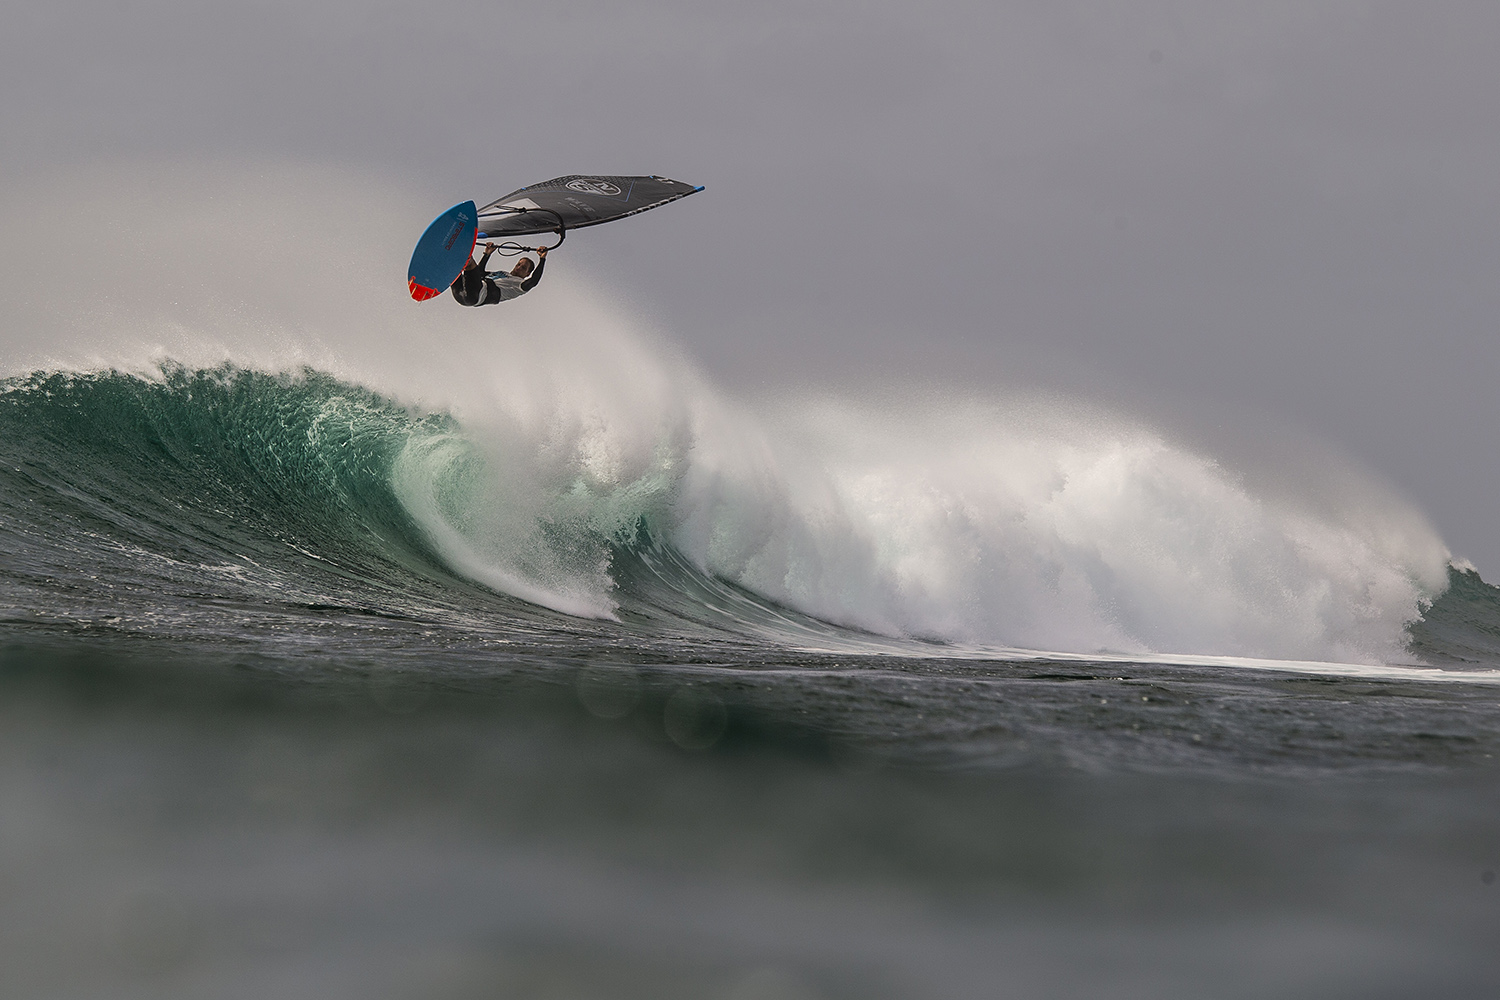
x,y
298,697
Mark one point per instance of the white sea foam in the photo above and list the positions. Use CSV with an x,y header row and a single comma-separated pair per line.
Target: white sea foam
x,y
1031,523
980,523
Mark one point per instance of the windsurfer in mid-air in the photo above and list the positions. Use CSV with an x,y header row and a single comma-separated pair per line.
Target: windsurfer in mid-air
x,y
444,256
478,287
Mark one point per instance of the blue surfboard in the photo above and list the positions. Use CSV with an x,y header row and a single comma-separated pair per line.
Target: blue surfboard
x,y
443,251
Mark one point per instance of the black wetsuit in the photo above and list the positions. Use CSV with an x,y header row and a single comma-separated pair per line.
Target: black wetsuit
x,y
478,287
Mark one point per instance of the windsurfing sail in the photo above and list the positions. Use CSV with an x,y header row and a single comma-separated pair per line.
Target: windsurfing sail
x,y
575,201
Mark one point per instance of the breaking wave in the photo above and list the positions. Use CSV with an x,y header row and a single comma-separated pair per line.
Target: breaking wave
x,y
959,523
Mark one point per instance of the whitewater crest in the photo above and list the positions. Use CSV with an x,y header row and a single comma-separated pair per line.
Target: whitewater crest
x,y
965,523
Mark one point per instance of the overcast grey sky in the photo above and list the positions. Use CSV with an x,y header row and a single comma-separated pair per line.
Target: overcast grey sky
x,y
1280,213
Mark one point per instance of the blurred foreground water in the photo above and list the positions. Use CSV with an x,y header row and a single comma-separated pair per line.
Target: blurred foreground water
x,y
190,824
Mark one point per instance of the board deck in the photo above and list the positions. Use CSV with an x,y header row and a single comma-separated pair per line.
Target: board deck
x,y
443,251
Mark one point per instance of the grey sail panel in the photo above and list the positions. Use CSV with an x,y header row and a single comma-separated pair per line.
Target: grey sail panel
x,y
578,200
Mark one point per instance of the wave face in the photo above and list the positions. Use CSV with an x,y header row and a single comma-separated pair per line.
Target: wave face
x,y
831,522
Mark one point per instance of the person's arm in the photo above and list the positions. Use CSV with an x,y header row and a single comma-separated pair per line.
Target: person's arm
x,y
462,286
489,248
536,275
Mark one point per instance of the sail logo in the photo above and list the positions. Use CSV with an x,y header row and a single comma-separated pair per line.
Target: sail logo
x,y
592,185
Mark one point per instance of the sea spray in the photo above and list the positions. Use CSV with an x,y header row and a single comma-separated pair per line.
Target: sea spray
x,y
1039,528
